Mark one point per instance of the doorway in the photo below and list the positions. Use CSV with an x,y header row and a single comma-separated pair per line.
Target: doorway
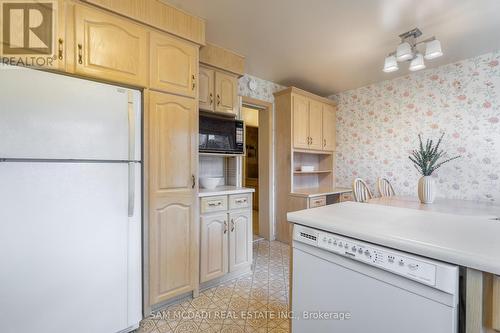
x,y
258,163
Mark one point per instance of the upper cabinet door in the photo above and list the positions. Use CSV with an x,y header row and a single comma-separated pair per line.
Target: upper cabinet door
x,y
173,143
174,65
240,240
206,89
329,127
300,121
110,48
315,125
226,93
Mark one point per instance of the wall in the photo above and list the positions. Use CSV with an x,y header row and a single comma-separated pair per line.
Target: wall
x,y
377,127
264,90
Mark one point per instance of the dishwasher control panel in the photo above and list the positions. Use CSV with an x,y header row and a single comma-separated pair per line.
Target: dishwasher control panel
x,y
390,260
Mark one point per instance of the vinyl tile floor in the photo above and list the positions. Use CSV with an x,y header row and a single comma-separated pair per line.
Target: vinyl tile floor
x,y
256,302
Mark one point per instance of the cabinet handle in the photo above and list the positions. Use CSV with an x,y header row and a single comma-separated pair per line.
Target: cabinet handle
x,y
225,227
60,49
232,225
213,204
193,178
80,55
194,81
324,142
240,201
311,141
211,98
218,99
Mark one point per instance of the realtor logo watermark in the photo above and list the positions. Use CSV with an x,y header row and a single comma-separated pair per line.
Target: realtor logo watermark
x,y
28,32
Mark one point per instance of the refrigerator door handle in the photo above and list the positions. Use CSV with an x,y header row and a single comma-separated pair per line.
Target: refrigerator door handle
x,y
131,189
131,127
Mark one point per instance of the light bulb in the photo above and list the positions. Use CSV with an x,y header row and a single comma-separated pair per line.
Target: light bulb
x,y
417,63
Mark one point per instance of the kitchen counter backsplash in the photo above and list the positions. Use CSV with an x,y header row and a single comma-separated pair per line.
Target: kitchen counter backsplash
x,y
377,127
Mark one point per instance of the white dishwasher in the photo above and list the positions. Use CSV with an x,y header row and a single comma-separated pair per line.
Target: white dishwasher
x,y
349,286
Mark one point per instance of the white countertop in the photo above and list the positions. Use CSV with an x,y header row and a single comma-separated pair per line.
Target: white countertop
x,y
462,240
224,190
314,192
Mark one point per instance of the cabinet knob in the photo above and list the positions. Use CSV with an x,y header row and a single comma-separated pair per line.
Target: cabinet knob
x,y
232,225
193,179
211,98
225,227
194,81
218,99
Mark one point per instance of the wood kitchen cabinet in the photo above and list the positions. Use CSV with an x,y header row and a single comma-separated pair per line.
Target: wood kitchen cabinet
x,y
206,91
226,92
226,235
300,118
218,91
305,124
174,65
214,245
329,128
240,240
173,226
313,124
109,47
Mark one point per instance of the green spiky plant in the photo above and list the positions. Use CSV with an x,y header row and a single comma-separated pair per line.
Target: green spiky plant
x,y
428,158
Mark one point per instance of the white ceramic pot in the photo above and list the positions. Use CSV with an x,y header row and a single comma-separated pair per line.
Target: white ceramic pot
x,y
426,190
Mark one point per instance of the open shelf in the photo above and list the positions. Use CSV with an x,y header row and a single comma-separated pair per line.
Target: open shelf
x,y
311,172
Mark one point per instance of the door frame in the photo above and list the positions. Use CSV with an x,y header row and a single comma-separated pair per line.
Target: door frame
x,y
266,165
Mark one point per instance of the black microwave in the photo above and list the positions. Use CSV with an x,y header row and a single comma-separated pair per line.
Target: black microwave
x,y
220,135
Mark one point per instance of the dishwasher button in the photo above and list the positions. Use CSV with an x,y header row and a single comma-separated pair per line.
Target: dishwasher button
x,y
401,263
413,267
360,250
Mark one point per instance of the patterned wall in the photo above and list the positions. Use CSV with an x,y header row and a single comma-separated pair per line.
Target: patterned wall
x,y
264,90
377,127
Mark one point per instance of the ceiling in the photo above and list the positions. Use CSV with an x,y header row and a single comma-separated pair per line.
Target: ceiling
x,y
327,46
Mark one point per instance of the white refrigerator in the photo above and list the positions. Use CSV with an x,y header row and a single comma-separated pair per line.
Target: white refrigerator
x,y
70,204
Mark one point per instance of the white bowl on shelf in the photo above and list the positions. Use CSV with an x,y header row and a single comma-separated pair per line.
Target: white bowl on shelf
x,y
307,168
209,182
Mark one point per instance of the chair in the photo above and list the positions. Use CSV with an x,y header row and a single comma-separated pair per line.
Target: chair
x,y
361,191
385,188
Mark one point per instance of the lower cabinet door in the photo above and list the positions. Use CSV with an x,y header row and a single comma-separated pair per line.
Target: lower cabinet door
x,y
214,247
240,240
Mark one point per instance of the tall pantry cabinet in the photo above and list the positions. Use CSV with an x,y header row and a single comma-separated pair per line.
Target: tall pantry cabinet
x,y
173,168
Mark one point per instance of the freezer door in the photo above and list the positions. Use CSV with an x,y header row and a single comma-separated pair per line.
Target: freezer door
x,y
70,253
52,116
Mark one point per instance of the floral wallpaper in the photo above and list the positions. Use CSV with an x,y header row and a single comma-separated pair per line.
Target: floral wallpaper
x,y
264,89
377,127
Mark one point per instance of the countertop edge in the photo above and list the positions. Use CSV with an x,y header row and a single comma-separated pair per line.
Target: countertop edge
x,y
312,195
215,192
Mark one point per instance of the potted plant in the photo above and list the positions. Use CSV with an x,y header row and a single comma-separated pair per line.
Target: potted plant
x,y
426,160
